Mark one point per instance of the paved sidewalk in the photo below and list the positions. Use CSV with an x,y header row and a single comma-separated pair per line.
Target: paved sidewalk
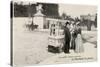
x,y
88,55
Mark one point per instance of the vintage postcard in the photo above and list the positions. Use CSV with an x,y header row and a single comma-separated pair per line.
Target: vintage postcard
x,y
52,33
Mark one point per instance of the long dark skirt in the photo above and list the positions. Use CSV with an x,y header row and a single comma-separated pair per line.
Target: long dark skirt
x,y
73,44
66,47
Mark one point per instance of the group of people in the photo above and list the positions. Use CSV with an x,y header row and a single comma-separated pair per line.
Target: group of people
x,y
73,37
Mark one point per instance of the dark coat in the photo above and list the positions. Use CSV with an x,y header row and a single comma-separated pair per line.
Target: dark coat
x,y
67,40
67,34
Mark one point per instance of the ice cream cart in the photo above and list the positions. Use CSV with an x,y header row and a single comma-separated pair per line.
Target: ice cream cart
x,y
56,37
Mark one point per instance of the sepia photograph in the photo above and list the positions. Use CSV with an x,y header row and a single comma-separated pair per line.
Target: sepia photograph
x,y
52,33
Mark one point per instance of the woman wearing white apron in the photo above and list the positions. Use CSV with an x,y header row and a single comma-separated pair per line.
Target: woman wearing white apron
x,y
79,48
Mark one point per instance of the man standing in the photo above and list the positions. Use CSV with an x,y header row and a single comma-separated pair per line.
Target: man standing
x,y
67,37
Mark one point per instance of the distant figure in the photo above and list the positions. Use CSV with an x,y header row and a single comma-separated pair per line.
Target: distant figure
x,y
67,38
79,48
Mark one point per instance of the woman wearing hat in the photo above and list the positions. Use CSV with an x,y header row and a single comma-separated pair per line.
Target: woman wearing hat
x,y
79,48
73,35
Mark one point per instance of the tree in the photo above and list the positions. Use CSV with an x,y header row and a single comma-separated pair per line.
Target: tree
x,y
86,20
95,22
20,10
50,10
64,16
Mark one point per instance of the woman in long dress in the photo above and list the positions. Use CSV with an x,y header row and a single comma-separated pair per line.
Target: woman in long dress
x,y
73,36
79,48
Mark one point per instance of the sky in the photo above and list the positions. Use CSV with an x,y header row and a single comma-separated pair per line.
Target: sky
x,y
77,10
